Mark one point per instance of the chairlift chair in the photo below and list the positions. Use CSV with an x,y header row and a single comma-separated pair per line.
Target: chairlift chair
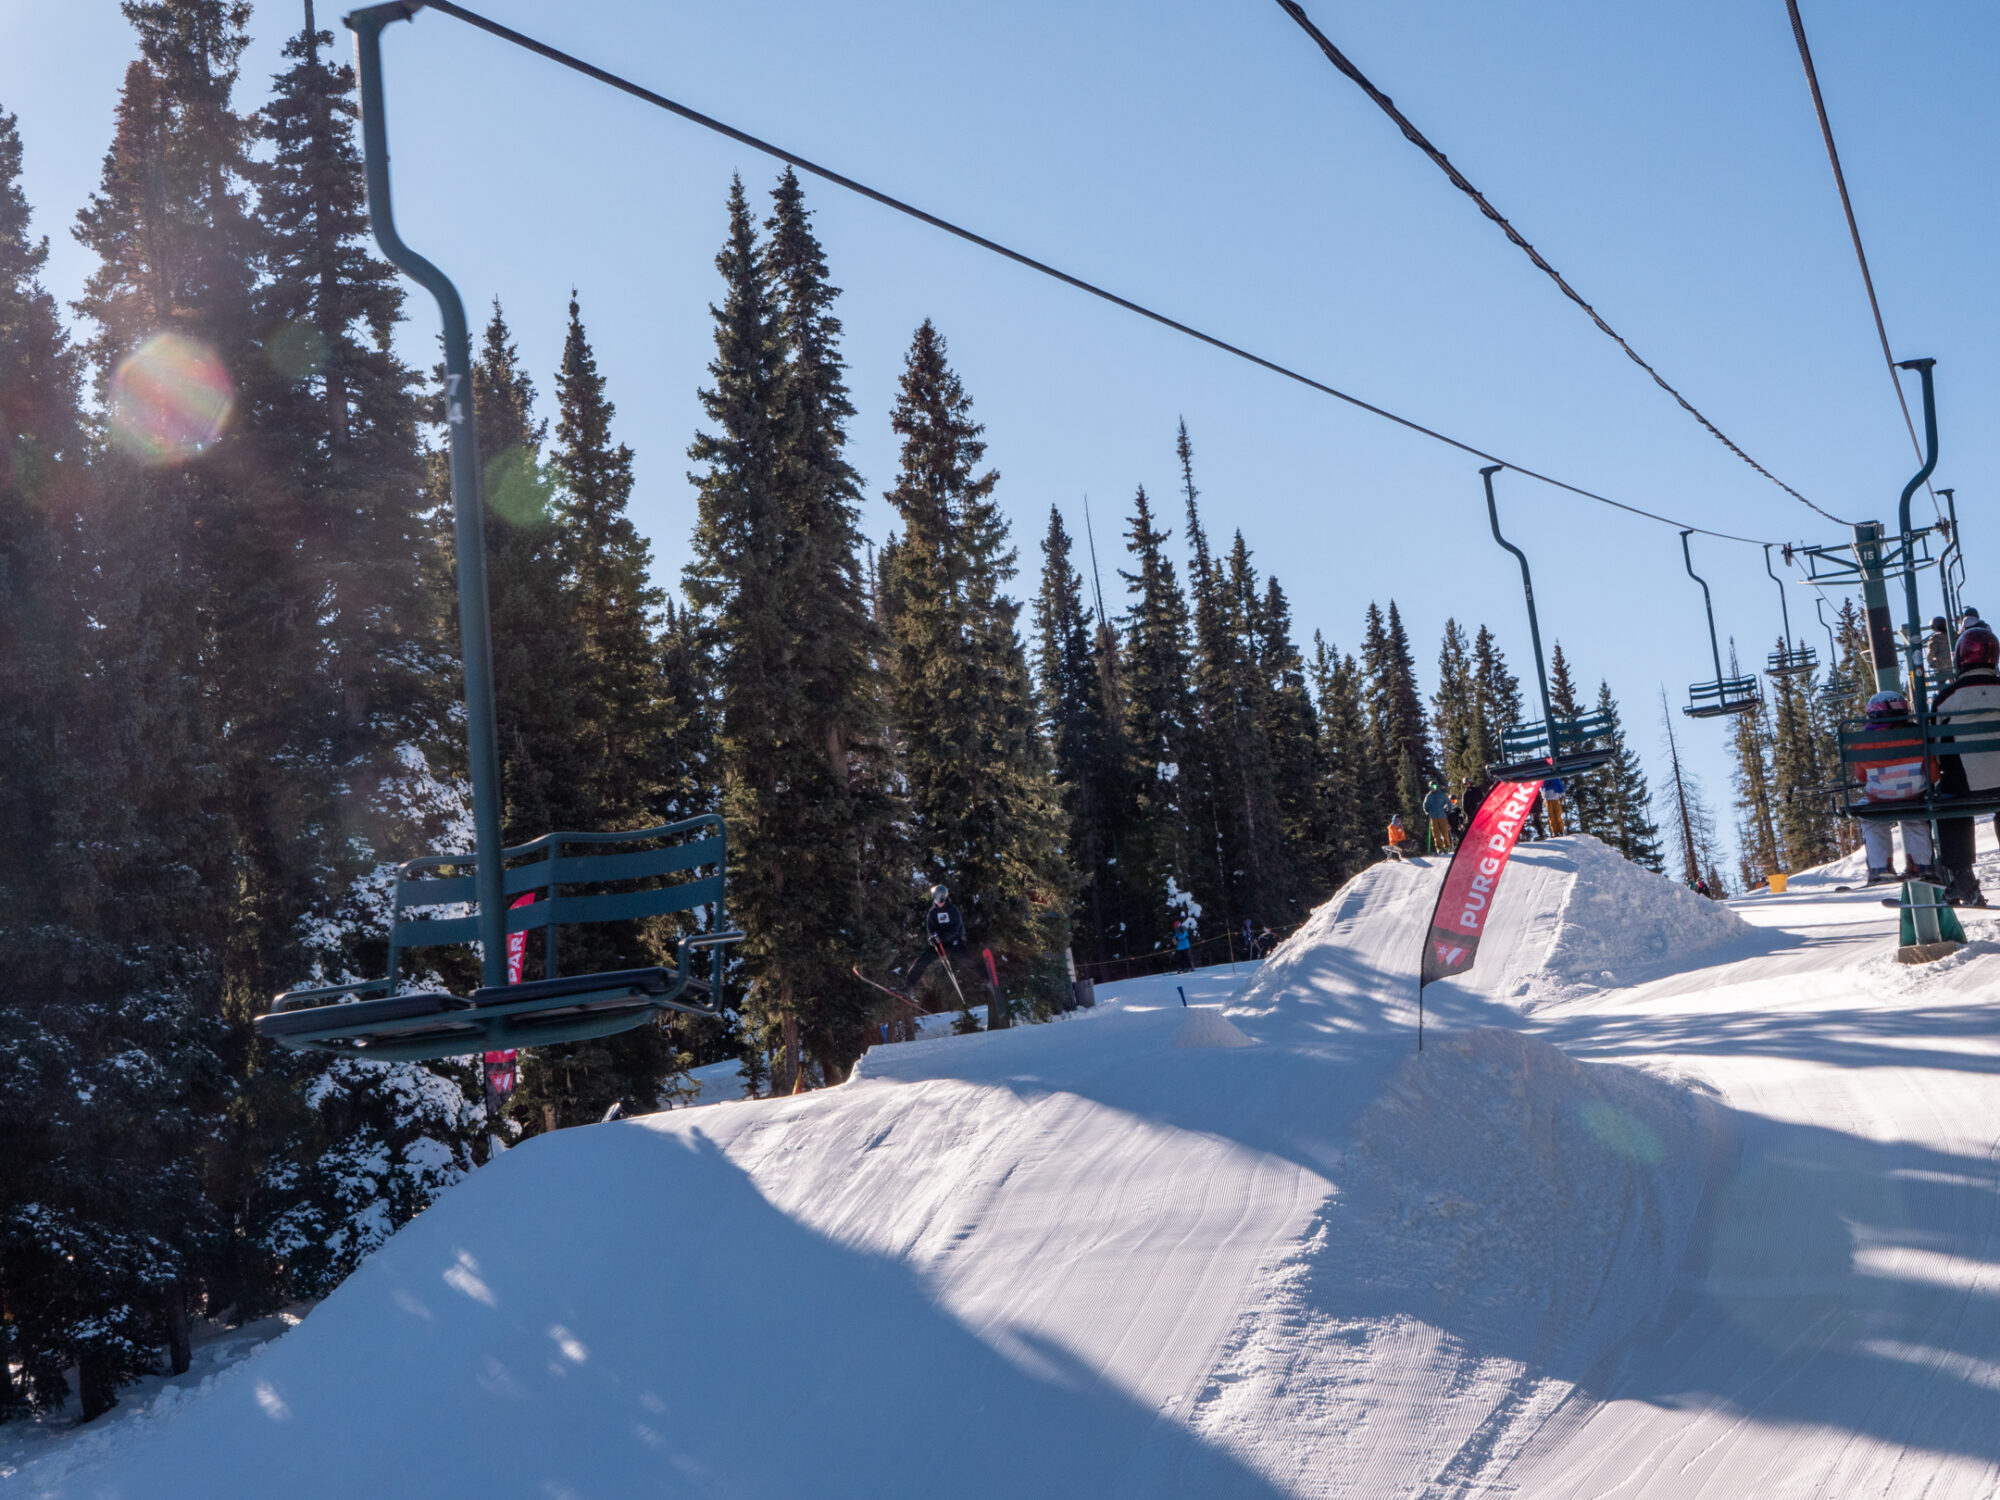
x,y
1554,745
1725,695
600,882
1789,660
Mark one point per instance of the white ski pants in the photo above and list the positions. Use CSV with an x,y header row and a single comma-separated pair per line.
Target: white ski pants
x,y
1880,842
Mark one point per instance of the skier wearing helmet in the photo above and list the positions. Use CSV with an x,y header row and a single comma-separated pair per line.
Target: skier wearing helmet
x,y
1972,707
944,936
1898,772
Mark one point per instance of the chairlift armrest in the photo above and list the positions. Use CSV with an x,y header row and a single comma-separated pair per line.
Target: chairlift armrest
x,y
710,939
291,999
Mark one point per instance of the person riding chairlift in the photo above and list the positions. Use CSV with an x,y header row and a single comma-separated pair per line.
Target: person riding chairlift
x,y
1897,772
1972,706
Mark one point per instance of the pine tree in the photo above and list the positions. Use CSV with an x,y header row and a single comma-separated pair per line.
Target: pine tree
x,y
536,636
1456,717
1401,742
165,559
1218,797
1690,825
42,1065
986,816
1354,791
1298,773
350,792
1497,692
1804,816
1584,796
799,736
843,893
1159,720
1757,828
1092,759
1625,797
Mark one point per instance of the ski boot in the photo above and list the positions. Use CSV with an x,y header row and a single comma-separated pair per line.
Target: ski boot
x,y
1882,877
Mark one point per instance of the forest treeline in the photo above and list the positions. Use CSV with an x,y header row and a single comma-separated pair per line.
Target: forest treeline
x,y
229,707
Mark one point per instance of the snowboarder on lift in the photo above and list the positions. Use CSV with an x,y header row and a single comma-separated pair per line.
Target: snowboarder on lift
x,y
944,936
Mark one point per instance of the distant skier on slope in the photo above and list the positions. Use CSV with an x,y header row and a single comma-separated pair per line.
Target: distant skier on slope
x,y
1971,706
1896,772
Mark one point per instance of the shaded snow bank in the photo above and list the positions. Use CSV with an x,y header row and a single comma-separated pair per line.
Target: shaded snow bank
x,y
1503,1217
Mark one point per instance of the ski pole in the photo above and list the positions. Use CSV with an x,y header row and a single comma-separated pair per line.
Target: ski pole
x,y
950,972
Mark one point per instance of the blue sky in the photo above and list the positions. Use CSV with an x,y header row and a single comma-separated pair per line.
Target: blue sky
x,y
1204,158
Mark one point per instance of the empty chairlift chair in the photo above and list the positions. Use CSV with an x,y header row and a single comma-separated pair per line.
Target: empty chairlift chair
x,y
1790,659
575,879
1554,745
1725,695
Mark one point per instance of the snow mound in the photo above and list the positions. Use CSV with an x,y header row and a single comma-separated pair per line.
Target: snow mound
x,y
1620,922
1503,1218
1210,1028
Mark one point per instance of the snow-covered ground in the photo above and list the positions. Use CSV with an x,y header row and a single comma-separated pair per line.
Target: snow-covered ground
x,y
1678,1200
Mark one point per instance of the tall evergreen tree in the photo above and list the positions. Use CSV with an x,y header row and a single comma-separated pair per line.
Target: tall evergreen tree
x,y
1625,797
1497,691
1584,796
1218,797
1456,717
538,671
843,892
1297,770
166,559
1092,758
1691,835
1355,794
1751,740
1804,815
776,573
1401,740
354,726
1159,722
986,816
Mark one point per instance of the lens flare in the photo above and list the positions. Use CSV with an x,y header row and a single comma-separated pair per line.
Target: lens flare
x,y
170,400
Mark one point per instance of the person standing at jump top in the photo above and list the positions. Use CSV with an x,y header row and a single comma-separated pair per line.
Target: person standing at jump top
x,y
1437,807
1552,799
1183,949
1472,796
944,936
1398,836
1970,706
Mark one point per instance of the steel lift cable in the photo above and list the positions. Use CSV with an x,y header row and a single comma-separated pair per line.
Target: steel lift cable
x,y
1854,233
1458,180
838,179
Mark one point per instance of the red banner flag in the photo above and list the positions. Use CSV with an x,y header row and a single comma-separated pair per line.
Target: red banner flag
x,y
500,1065
1466,900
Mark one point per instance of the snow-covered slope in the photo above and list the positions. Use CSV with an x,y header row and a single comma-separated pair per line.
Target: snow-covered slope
x,y
1258,1248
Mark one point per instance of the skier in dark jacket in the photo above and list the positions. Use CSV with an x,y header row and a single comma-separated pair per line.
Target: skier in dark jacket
x,y
944,936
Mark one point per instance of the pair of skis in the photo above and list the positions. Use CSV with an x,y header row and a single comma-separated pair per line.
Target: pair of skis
x,y
950,973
